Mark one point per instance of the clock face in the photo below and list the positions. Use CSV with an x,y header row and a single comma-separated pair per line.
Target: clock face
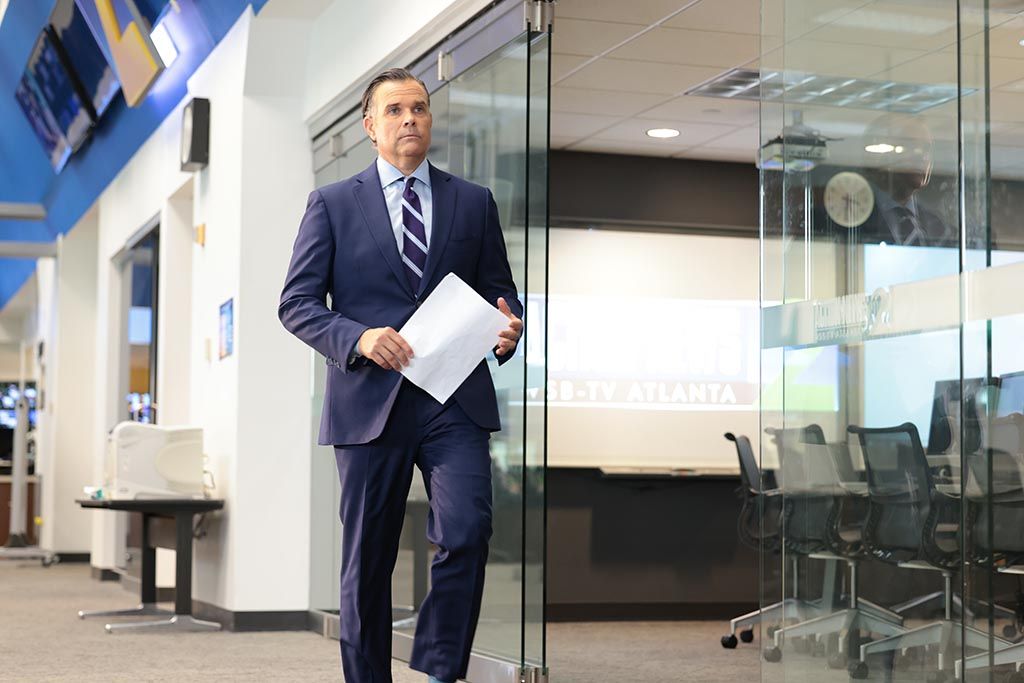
x,y
186,134
849,199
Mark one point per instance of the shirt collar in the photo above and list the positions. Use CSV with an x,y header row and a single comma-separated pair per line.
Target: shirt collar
x,y
389,174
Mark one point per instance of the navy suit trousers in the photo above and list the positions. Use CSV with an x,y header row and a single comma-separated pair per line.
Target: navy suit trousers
x,y
451,452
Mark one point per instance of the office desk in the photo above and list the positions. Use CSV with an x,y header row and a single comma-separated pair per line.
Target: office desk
x,y
182,511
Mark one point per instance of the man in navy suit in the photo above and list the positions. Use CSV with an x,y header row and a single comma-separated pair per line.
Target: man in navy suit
x,y
379,243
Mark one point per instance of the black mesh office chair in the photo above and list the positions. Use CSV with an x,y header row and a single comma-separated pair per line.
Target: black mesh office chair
x,y
995,487
757,499
913,523
825,510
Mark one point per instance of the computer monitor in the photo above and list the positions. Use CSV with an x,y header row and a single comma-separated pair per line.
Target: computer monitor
x,y
947,407
1011,394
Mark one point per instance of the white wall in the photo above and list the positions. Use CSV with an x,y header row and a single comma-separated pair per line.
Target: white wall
x,y
265,79
350,38
67,463
254,405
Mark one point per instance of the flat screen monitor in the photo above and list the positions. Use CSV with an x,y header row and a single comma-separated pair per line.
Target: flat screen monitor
x,y
85,59
947,407
59,90
1011,394
54,144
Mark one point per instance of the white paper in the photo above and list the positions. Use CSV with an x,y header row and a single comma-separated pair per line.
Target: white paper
x,y
450,333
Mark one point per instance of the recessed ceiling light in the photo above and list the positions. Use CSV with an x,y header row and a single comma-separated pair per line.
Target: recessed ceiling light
x,y
879,148
1021,42
662,133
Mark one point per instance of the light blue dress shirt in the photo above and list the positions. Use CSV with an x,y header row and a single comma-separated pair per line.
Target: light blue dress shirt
x,y
393,183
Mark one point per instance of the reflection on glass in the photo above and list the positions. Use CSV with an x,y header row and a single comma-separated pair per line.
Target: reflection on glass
x,y
899,250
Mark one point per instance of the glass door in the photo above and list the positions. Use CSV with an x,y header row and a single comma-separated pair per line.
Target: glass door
x,y
490,108
892,259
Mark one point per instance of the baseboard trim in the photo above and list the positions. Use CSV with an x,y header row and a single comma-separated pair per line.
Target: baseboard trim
x,y
69,558
679,611
252,621
104,574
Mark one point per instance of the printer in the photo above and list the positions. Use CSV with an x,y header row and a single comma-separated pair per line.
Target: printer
x,y
151,461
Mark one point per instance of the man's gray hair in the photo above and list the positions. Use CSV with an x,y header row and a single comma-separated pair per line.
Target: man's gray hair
x,y
395,74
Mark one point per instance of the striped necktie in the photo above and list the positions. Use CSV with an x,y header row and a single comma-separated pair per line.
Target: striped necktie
x,y
414,236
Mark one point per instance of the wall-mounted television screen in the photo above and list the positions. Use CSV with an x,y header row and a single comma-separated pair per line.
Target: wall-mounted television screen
x,y
9,394
86,60
59,91
43,123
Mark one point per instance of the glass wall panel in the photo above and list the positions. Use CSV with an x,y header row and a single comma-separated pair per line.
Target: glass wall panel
x,y
491,128
890,178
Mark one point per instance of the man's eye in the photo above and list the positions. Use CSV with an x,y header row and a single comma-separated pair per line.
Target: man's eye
x,y
392,110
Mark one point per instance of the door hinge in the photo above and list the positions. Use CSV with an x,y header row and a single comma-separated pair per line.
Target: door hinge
x,y
445,66
533,674
539,15
337,145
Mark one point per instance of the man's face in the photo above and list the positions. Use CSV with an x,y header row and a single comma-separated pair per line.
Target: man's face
x,y
399,121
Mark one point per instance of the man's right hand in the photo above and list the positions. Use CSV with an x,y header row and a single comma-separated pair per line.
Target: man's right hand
x,y
386,348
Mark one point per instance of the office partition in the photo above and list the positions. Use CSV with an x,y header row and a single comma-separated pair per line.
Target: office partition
x,y
890,240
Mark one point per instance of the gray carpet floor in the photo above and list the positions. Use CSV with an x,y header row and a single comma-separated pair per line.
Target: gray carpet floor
x,y
42,639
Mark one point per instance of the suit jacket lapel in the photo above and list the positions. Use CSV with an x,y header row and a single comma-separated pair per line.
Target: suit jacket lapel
x,y
371,202
442,193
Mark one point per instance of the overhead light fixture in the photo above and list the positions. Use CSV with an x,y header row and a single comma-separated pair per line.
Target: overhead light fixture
x,y
662,133
795,87
879,148
164,45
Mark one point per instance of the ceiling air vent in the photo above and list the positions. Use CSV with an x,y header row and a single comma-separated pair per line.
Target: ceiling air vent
x,y
793,87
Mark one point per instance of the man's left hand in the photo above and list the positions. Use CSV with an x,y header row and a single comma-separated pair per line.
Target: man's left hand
x,y
509,337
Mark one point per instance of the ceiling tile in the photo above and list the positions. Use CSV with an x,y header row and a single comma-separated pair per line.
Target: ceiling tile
x,y
839,59
580,125
684,46
690,134
735,16
643,77
619,147
609,102
563,64
743,139
646,12
589,38
923,26
705,110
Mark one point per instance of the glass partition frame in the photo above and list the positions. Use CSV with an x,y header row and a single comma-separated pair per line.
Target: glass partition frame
x,y
891,324
491,128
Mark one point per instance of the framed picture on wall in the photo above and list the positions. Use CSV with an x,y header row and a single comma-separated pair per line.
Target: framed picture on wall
x,y
227,328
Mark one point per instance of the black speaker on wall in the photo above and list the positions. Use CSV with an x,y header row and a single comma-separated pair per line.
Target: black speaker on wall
x,y
195,135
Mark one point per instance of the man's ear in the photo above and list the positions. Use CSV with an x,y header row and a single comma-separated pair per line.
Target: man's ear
x,y
368,126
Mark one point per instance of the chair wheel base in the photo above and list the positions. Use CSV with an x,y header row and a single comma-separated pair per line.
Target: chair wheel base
x,y
838,661
729,642
773,655
747,636
858,670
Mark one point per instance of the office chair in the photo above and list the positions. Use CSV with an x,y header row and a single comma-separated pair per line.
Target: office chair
x,y
824,475
913,523
995,488
758,500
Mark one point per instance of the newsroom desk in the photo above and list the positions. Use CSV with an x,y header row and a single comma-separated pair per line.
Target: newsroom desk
x,y
182,511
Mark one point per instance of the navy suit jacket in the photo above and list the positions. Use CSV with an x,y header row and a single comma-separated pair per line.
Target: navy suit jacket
x,y
346,247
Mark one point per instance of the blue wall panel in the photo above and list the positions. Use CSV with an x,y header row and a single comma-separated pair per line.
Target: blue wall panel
x,y
25,172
